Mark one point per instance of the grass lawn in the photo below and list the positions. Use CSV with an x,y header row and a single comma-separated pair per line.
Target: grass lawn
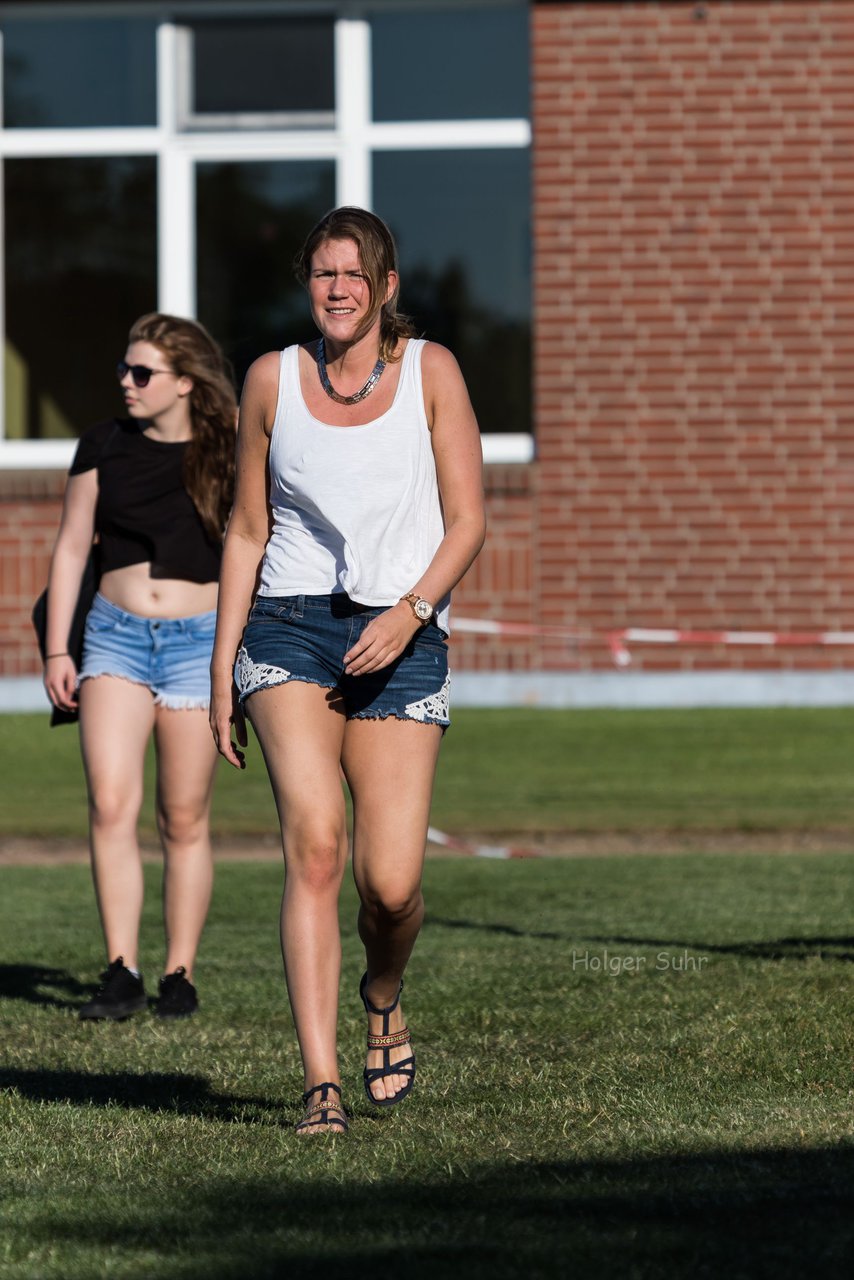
x,y
627,1067
531,770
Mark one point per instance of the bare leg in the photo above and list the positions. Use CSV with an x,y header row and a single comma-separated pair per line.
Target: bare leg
x,y
300,728
186,766
390,765
116,719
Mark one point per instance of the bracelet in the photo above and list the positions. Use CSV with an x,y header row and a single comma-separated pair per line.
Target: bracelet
x,y
48,656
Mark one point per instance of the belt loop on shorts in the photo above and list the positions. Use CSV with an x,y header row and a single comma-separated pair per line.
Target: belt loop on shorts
x,y
299,607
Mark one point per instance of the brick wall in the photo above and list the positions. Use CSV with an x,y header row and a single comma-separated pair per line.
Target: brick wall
x,y
499,586
29,517
694,237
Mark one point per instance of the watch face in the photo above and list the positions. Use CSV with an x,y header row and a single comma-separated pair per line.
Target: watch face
x,y
423,610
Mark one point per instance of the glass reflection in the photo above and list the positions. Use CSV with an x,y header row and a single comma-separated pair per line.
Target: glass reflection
x,y
462,222
261,66
251,219
81,265
450,64
78,73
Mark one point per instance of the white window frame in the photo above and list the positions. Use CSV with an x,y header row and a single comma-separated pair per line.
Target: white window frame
x,y
350,142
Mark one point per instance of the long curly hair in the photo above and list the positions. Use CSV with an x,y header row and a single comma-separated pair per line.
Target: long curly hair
x,y
209,459
377,256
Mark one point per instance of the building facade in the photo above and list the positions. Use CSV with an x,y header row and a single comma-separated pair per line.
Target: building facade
x,y
630,220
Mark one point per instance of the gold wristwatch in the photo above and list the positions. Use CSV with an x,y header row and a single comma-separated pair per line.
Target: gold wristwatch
x,y
422,608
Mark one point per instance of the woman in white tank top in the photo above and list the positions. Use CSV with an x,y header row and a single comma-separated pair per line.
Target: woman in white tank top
x,y
359,506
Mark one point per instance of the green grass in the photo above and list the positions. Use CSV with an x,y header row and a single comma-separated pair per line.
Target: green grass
x,y
532,770
628,1067
687,1113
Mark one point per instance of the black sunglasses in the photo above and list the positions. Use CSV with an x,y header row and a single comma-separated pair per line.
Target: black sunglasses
x,y
140,373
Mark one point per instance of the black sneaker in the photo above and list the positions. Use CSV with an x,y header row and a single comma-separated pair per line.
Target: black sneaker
x,y
121,993
177,996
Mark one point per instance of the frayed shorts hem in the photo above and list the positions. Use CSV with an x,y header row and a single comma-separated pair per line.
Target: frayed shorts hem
x,y
174,702
169,701
402,716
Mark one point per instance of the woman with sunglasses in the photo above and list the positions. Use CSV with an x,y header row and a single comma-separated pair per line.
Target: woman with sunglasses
x,y
367,440
154,489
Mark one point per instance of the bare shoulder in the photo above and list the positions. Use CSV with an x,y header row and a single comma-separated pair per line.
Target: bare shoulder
x,y
263,373
443,383
260,393
437,362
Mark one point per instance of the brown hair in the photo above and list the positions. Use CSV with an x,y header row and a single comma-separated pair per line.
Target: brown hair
x,y
209,459
378,257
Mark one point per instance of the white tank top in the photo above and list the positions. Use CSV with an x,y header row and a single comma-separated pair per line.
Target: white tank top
x,y
355,509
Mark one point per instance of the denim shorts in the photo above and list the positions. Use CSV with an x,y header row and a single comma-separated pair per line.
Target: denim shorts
x,y
306,637
171,656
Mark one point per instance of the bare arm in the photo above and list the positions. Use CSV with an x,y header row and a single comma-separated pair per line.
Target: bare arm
x,y
70,552
244,547
459,468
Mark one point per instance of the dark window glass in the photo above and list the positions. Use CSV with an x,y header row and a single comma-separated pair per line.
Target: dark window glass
x,y
259,66
450,64
88,72
252,219
461,220
81,265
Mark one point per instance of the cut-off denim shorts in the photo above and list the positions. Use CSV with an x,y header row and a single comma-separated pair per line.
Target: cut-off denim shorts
x,y
305,638
171,656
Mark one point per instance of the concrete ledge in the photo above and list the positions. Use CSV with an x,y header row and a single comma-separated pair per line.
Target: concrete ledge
x,y
23,693
653,689
593,689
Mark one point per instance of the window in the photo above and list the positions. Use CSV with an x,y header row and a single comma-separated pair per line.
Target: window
x,y
251,218
450,64
259,72
461,220
80,266
173,156
72,73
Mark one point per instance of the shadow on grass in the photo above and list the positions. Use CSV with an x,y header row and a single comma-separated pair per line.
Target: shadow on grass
x,y
486,926
818,948
821,948
28,982
777,949
172,1092
773,1213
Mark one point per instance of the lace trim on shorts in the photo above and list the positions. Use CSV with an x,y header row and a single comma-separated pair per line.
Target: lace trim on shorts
x,y
257,675
436,706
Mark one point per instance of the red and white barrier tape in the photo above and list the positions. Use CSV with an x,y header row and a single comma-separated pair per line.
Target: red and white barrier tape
x,y
478,850
490,627
619,640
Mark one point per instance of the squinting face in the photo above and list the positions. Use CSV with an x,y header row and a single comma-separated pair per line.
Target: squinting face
x,y
165,388
339,291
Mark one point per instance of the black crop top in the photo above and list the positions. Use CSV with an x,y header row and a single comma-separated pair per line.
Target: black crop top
x,y
144,513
